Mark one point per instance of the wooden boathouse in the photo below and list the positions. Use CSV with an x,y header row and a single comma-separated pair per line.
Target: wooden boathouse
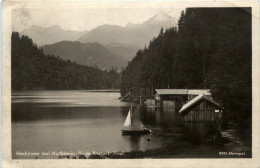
x,y
201,109
176,98
172,98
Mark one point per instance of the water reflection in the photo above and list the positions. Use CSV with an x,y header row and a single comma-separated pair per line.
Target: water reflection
x,y
164,117
68,98
40,124
172,124
135,143
204,133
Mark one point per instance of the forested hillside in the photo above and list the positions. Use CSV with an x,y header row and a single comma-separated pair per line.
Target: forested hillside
x,y
89,54
210,48
32,70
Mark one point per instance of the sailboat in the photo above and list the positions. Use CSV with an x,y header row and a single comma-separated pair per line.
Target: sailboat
x,y
133,124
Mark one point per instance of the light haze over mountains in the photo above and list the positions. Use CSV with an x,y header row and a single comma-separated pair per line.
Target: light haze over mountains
x,y
42,36
122,41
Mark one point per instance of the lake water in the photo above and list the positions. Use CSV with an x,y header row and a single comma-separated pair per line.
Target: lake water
x,y
87,121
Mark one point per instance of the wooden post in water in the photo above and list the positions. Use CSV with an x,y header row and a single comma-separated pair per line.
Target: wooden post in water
x,y
148,140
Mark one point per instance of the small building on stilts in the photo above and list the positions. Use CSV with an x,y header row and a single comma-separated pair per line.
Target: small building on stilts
x,y
176,98
201,109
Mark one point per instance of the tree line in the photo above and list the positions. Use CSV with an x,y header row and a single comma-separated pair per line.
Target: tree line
x,y
211,48
33,70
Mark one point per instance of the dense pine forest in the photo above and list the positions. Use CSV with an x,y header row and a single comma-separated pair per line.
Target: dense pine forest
x,y
210,48
33,70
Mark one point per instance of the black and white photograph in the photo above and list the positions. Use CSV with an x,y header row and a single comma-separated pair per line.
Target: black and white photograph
x,y
170,82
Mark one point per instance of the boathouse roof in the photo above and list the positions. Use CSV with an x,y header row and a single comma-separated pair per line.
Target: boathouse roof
x,y
199,91
183,91
196,100
171,91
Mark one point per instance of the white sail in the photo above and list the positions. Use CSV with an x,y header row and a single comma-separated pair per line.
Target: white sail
x,y
133,120
128,120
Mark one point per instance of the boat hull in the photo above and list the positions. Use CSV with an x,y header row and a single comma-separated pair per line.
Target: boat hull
x,y
136,132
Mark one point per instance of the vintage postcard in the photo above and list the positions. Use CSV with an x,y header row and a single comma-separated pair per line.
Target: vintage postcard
x,y
130,84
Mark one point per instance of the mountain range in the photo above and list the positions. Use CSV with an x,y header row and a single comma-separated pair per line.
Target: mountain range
x,y
42,36
131,34
117,42
91,54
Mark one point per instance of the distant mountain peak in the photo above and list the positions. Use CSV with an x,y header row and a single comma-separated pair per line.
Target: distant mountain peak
x,y
160,17
52,34
129,24
32,27
130,34
55,27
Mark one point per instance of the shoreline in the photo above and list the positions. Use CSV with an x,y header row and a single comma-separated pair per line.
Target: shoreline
x,y
233,148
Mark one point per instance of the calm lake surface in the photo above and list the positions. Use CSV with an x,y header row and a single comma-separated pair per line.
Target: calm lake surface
x,y
87,121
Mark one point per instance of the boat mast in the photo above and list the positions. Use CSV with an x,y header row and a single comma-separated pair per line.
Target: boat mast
x,y
131,115
141,97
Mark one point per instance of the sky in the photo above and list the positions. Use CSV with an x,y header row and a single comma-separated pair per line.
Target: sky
x,y
84,19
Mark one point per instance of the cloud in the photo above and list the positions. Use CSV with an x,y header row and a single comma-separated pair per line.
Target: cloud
x,y
21,19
